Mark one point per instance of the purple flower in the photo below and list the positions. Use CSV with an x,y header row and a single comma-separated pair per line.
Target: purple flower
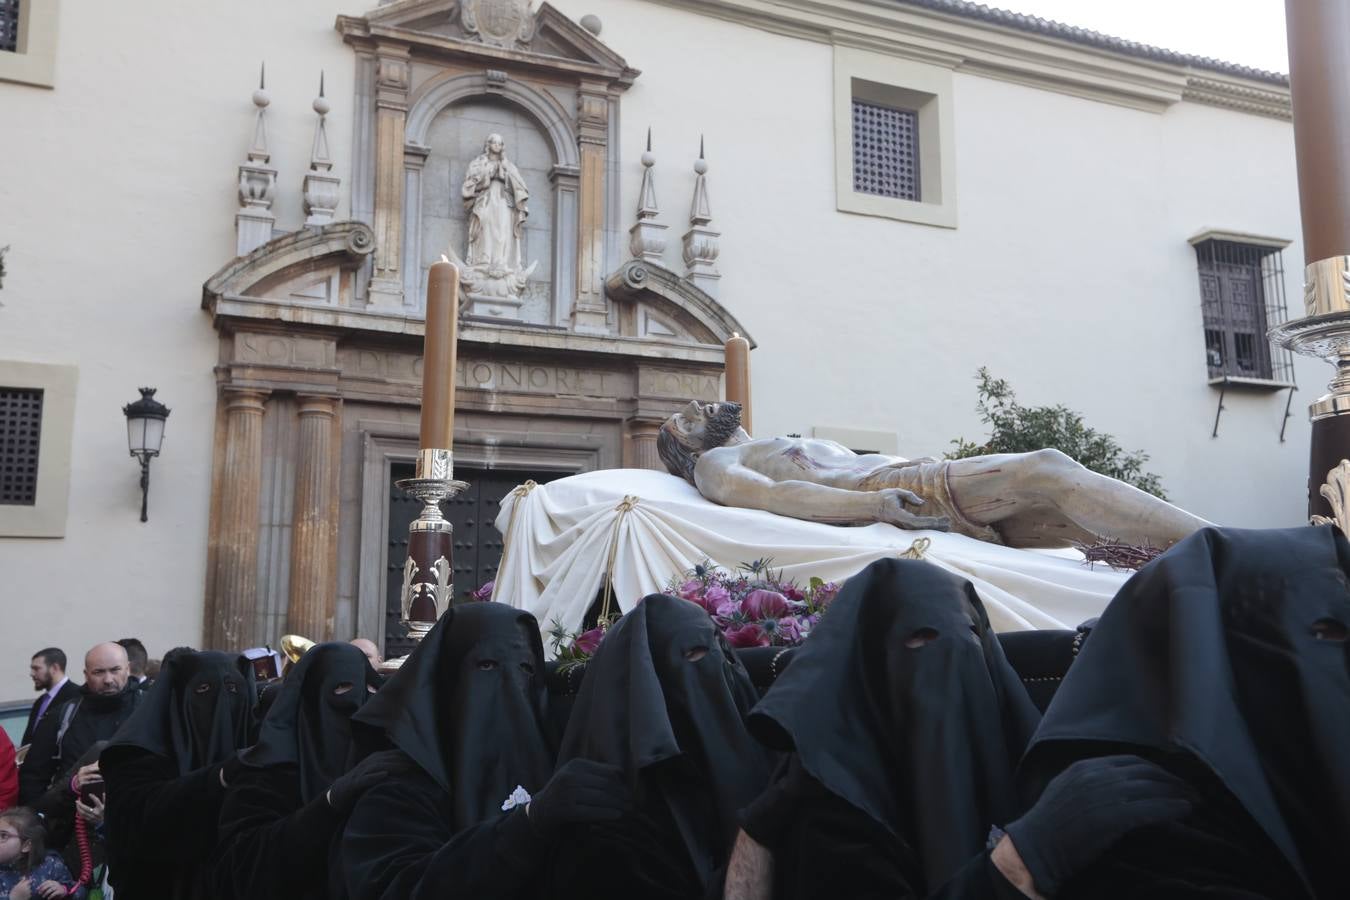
x,y
484,593
789,630
792,592
588,641
747,636
825,594
716,594
811,622
728,609
764,604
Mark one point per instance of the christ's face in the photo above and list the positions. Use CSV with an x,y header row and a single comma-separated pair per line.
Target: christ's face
x,y
702,426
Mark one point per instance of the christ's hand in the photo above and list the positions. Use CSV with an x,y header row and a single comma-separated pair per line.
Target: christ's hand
x,y
893,503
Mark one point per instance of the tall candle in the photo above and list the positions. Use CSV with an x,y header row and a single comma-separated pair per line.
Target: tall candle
x,y
438,358
738,376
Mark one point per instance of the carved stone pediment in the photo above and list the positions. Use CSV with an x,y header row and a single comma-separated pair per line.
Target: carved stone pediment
x,y
542,36
314,266
656,303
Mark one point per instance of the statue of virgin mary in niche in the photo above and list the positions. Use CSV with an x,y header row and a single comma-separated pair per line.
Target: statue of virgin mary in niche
x,y
495,198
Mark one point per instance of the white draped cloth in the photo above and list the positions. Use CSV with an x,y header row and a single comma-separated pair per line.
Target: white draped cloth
x,y
649,527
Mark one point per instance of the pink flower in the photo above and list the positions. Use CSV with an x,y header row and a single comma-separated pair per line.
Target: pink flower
x,y
484,593
588,641
825,594
716,594
792,592
747,636
690,590
764,604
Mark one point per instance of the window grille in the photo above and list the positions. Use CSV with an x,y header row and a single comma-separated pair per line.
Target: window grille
x,y
20,428
885,151
1242,295
9,25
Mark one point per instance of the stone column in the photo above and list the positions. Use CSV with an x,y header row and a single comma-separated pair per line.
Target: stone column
x,y
392,80
639,445
590,312
231,620
314,529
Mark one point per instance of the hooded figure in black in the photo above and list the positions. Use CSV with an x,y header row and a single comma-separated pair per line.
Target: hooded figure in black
x,y
474,812
165,771
1225,662
907,723
287,800
664,699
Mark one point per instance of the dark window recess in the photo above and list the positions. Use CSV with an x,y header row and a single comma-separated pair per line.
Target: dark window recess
x,y
9,25
20,429
477,544
885,151
1242,295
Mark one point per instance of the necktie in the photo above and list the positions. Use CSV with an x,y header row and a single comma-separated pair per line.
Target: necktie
x,y
42,709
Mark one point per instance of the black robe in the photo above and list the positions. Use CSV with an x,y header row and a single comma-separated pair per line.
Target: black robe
x,y
468,710
908,722
1226,662
163,775
276,826
95,718
665,700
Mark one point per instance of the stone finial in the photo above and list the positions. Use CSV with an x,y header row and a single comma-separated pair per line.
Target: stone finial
x,y
322,188
647,237
257,181
701,241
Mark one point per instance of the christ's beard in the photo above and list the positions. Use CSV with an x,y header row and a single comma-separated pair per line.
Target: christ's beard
x,y
722,426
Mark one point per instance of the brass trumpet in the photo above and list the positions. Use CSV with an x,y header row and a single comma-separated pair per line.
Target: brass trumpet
x,y
295,646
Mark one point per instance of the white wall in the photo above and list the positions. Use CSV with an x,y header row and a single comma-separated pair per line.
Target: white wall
x,y
1069,273
118,199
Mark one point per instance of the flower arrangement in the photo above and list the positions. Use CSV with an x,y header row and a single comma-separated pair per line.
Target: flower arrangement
x,y
753,606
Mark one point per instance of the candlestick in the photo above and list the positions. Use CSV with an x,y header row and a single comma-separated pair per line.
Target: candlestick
x,y
738,376
438,359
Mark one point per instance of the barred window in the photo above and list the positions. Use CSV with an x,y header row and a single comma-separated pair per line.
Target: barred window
x,y
9,25
1241,296
885,151
20,428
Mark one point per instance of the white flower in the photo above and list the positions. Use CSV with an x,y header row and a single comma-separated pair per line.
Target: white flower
x,y
519,797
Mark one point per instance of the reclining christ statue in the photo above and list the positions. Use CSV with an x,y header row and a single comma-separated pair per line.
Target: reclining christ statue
x,y
1032,500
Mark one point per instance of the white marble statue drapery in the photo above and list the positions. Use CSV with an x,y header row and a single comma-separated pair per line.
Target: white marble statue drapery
x,y
495,197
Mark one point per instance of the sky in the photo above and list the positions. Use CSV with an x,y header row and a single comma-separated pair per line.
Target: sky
x,y
1250,32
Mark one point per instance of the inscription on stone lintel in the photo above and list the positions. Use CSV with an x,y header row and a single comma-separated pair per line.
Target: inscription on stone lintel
x,y
681,385
490,375
283,350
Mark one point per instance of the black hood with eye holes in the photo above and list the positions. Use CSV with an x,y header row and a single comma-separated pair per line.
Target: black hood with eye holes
x,y
665,686
309,724
903,705
468,706
198,712
1226,654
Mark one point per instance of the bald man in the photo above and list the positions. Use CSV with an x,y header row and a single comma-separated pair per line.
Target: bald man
x,y
100,708
370,650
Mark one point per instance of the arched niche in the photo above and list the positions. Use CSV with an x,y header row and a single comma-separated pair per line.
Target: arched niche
x,y
448,119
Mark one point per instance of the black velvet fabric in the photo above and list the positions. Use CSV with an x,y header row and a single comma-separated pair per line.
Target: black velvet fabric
x,y
276,827
902,706
309,724
468,707
665,700
1226,662
163,775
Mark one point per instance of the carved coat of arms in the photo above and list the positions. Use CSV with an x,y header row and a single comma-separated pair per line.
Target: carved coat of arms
x,y
501,23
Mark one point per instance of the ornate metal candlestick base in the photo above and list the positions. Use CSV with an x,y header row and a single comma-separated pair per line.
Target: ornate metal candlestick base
x,y
1324,332
427,586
